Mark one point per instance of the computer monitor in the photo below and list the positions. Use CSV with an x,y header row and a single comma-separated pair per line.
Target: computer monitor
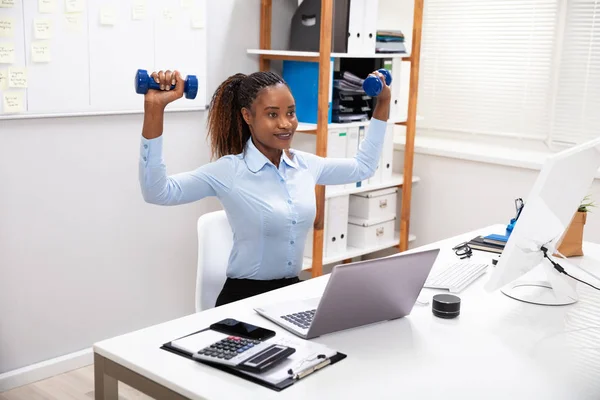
x,y
562,184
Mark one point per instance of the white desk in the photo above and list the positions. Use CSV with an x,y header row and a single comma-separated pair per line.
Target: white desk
x,y
498,348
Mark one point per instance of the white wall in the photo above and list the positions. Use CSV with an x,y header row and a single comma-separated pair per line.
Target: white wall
x,y
455,196
82,257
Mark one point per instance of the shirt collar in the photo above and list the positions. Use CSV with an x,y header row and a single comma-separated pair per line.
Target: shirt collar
x,y
255,160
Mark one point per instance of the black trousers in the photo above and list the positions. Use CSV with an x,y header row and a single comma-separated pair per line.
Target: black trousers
x,y
239,289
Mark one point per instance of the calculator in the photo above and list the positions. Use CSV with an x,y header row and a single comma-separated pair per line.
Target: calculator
x,y
246,354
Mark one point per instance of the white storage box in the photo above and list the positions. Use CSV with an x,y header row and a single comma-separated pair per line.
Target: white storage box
x,y
364,233
375,204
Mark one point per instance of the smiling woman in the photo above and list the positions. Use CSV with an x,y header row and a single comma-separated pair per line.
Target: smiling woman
x,y
266,188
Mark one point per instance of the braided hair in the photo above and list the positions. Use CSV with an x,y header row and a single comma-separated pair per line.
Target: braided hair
x,y
227,129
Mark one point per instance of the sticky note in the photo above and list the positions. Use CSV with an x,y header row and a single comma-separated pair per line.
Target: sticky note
x,y
74,22
187,4
17,77
42,28
197,19
73,6
108,15
167,16
40,51
7,27
7,3
46,6
138,10
3,79
7,53
13,102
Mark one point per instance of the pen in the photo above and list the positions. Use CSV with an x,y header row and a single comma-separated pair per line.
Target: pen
x,y
312,369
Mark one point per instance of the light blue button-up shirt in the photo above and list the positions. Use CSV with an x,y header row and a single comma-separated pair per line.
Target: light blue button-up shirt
x,y
270,209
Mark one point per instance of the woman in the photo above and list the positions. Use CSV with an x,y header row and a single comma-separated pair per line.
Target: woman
x,y
266,188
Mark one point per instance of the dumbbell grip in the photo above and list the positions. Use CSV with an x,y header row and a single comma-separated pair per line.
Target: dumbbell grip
x,y
153,85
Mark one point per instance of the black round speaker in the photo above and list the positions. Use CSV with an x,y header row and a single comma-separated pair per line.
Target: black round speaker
x,y
445,306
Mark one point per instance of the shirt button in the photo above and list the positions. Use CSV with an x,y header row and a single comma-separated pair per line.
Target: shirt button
x,y
145,146
144,158
292,242
294,222
289,263
281,180
289,202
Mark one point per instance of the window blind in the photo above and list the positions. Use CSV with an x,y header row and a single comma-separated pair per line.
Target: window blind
x,y
577,104
487,66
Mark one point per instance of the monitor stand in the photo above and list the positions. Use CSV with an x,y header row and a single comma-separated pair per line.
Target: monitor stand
x,y
538,292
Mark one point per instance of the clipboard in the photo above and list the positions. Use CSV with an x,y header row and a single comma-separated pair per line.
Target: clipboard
x,y
293,378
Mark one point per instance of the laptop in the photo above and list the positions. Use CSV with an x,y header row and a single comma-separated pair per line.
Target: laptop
x,y
357,294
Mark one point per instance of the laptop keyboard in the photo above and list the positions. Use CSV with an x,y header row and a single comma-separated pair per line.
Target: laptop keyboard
x,y
300,319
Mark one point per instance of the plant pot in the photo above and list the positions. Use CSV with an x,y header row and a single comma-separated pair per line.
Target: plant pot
x,y
571,244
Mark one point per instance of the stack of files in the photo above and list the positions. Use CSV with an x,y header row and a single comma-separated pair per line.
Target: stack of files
x,y
390,42
350,102
483,244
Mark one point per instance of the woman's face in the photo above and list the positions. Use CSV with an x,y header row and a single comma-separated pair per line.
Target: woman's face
x,y
272,118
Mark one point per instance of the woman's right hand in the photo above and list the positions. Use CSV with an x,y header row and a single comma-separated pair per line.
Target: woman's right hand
x,y
161,98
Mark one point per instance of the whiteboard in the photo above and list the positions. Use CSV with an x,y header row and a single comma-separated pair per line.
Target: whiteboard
x,y
79,57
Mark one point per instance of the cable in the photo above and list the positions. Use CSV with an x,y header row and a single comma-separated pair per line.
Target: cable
x,y
562,270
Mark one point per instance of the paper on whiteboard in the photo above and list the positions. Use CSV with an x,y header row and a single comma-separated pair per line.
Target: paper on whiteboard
x,y
3,79
40,51
73,6
7,53
17,77
13,102
108,15
138,10
198,19
74,23
167,16
7,27
7,3
42,28
46,6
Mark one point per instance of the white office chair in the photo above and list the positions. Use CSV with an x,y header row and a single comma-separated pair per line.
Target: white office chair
x,y
215,241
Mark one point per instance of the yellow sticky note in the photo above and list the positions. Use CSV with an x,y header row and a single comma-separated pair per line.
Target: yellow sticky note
x,y
168,16
17,77
3,79
108,15
73,6
40,51
197,19
13,102
7,3
138,10
7,27
42,28
46,6
7,53
74,23
187,4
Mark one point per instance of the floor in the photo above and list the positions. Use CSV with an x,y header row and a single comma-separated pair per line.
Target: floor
x,y
74,385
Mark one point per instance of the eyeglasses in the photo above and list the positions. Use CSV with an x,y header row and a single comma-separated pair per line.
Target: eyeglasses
x,y
463,250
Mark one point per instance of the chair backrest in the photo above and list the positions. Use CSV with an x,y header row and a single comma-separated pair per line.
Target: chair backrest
x,y
215,241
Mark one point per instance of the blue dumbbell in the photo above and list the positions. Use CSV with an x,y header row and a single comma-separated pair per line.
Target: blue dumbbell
x,y
373,86
143,83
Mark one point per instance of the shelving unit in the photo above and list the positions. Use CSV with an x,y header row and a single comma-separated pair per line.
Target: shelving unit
x,y
320,129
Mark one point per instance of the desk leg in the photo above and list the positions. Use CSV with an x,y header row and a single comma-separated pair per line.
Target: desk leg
x,y
105,386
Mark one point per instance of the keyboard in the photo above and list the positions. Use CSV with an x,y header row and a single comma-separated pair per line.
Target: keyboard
x,y
300,319
457,276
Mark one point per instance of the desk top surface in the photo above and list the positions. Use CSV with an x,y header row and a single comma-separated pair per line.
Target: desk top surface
x,y
498,348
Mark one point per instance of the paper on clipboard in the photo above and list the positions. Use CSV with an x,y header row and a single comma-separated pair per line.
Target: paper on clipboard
x,y
305,357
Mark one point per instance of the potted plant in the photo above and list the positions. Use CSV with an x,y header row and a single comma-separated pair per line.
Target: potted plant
x,y
571,244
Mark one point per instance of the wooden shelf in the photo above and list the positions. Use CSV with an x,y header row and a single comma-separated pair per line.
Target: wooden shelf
x,y
397,180
313,56
352,252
